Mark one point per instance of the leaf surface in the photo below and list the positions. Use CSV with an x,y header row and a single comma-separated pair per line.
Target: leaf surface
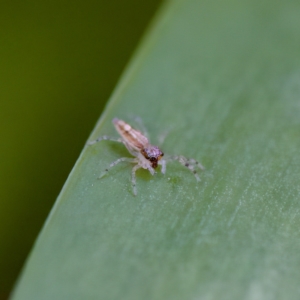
x,y
223,79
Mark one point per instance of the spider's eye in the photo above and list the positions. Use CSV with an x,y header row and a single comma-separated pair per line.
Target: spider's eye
x,y
152,159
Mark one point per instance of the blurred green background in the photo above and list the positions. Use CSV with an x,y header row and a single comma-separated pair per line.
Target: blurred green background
x,y
59,62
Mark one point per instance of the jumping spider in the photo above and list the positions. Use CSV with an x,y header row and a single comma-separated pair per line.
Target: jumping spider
x,y
147,156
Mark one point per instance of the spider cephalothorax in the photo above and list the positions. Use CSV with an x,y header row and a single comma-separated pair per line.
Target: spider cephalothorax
x,y
153,154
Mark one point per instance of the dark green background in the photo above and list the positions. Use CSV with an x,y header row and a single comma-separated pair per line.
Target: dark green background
x,y
59,62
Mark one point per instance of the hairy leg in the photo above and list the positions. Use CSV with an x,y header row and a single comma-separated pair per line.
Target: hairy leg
x,y
188,163
133,178
127,159
104,138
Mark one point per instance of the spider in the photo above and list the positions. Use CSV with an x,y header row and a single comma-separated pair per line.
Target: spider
x,y
146,156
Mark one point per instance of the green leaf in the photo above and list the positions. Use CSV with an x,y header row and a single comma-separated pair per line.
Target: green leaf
x,y
223,77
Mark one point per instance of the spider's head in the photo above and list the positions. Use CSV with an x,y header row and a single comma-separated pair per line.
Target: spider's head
x,y
153,154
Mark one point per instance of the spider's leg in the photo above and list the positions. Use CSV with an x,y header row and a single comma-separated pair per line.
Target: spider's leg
x,y
195,162
188,163
133,178
127,159
104,138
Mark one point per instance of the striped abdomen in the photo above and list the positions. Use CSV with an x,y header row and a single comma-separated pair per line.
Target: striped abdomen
x,y
133,138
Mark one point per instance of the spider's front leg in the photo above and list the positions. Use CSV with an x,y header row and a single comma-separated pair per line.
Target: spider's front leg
x,y
189,163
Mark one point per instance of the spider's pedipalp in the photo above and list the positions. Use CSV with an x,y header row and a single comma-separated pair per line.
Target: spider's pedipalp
x,y
151,170
163,164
